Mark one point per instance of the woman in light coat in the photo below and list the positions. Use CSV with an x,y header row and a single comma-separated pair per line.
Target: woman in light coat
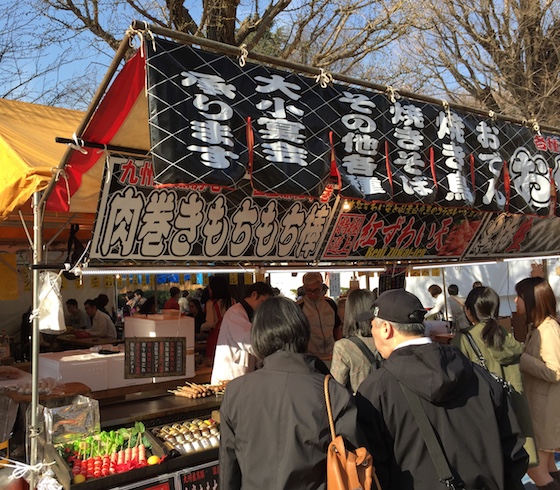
x,y
355,355
540,364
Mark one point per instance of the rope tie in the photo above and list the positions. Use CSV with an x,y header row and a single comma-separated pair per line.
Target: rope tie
x,y
107,166
393,94
535,125
324,78
78,144
21,469
447,109
142,34
103,150
243,55
492,115
61,172
34,314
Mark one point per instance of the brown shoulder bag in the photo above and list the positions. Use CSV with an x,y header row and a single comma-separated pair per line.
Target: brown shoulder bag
x,y
346,470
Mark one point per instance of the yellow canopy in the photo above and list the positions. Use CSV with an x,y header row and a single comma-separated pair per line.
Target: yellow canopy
x,y
28,151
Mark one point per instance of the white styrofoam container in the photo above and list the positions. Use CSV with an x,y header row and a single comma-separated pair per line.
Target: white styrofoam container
x,y
160,326
164,326
79,366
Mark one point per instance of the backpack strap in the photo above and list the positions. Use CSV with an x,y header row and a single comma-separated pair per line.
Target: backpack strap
x,y
431,440
370,356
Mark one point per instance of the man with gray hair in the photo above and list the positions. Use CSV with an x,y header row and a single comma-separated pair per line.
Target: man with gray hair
x,y
427,398
322,314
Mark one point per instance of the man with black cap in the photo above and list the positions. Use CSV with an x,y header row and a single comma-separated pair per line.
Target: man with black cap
x,y
463,413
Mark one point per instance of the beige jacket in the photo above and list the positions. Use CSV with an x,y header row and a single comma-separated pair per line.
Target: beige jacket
x,y
540,364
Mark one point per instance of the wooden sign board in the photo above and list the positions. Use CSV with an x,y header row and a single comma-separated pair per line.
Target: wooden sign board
x,y
147,357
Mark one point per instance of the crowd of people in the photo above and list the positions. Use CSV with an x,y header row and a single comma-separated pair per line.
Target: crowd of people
x,y
490,400
485,403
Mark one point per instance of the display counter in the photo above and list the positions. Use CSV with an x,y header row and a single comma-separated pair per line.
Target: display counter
x,y
177,471
157,410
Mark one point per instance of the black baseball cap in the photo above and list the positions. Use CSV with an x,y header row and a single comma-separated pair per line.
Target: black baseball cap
x,y
395,305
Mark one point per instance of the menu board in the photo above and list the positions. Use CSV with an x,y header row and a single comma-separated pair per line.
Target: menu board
x,y
147,357
205,477
166,482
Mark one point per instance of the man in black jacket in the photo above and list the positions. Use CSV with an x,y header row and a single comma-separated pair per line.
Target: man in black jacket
x,y
468,410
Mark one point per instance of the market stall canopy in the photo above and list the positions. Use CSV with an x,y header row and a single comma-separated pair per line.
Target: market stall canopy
x,y
209,160
28,151
29,157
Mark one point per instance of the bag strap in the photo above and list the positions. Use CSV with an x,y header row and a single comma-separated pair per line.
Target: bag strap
x,y
328,403
476,350
364,348
457,301
432,443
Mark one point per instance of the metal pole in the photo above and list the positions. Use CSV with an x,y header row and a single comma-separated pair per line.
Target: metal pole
x,y
100,92
35,335
444,296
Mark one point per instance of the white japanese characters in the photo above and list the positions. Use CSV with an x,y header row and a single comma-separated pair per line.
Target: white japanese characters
x,y
280,126
212,129
360,147
409,121
452,130
139,222
488,138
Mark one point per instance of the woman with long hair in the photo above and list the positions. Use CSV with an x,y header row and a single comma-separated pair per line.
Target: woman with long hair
x,y
540,364
195,310
487,343
274,430
219,302
355,355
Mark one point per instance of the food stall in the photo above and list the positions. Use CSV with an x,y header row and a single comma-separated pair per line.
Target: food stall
x,y
211,160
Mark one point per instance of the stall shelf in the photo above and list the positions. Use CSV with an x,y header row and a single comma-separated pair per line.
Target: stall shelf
x,y
175,471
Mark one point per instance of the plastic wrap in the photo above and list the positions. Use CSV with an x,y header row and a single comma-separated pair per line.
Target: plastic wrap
x,y
80,419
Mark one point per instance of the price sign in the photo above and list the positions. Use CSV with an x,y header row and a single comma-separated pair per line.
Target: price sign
x,y
200,477
161,483
147,357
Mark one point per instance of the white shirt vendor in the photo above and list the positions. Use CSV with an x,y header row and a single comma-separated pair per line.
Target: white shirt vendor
x,y
234,353
101,324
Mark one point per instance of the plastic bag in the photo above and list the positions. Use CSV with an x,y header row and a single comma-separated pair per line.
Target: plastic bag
x,y
51,313
78,420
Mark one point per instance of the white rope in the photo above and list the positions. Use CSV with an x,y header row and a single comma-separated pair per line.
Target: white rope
x,y
107,166
243,55
61,172
447,109
34,314
324,78
21,469
393,94
103,150
142,34
536,126
78,144
492,115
